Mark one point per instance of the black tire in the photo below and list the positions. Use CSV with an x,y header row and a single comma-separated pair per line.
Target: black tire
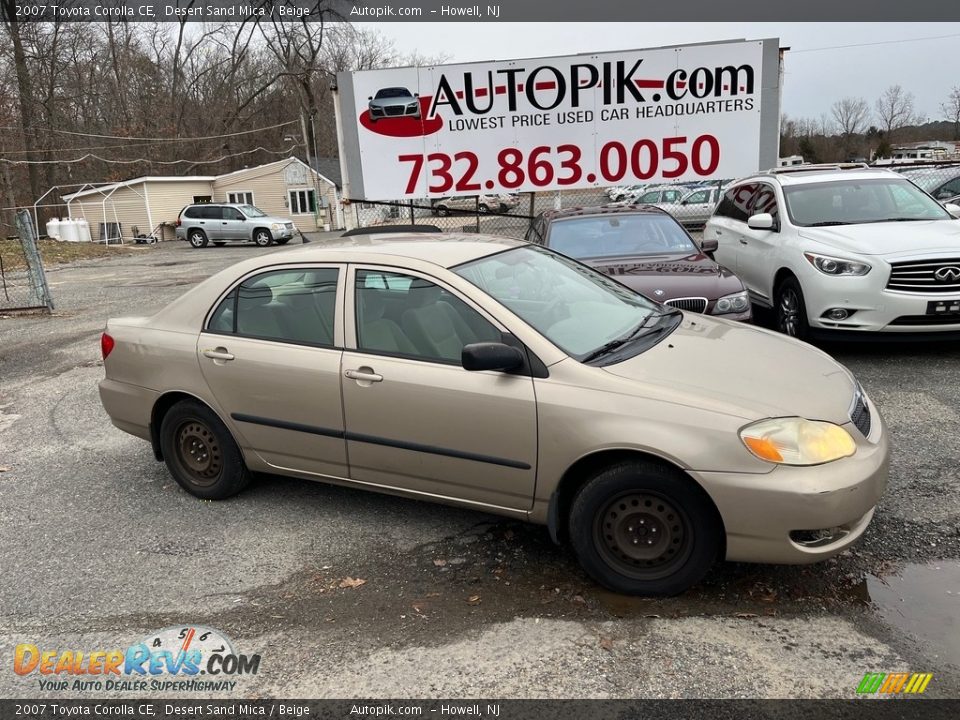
x,y
282,241
790,309
197,238
645,528
442,210
219,244
200,452
483,207
262,237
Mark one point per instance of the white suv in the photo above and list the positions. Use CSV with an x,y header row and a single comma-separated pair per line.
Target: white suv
x,y
842,248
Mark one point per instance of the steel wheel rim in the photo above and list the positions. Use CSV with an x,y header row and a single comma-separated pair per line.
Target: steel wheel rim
x,y
196,239
199,453
789,312
262,239
643,535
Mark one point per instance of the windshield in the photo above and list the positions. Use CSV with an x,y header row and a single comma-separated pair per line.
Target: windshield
x,y
251,211
857,202
576,308
618,235
393,93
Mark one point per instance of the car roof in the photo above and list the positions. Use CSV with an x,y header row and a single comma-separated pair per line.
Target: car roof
x,y
798,176
640,209
445,250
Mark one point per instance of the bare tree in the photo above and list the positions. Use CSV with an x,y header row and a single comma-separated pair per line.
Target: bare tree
x,y
851,115
894,110
951,111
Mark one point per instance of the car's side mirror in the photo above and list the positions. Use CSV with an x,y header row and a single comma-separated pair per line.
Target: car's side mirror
x,y
761,221
490,356
416,94
709,245
954,210
369,97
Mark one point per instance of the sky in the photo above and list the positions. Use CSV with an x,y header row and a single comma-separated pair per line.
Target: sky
x,y
817,72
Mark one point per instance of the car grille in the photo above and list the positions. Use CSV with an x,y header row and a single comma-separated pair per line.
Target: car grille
x,y
697,305
945,319
394,110
860,413
920,276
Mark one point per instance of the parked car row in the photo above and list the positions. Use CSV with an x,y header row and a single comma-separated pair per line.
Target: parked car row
x,y
489,202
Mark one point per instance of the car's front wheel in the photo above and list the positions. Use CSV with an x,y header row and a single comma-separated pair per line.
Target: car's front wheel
x,y
442,210
644,528
198,239
200,453
484,208
262,237
791,310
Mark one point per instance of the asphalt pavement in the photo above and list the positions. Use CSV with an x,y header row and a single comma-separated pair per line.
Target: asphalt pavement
x,y
101,548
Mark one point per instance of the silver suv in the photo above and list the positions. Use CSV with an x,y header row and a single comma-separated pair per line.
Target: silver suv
x,y
221,223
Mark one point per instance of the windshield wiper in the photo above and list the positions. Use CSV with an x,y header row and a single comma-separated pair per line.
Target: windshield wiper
x,y
642,330
896,219
828,223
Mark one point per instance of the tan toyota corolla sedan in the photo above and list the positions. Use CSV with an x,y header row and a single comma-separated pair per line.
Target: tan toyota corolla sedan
x,y
489,373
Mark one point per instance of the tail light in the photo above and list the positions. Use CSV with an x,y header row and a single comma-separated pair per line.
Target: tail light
x,y
106,345
178,222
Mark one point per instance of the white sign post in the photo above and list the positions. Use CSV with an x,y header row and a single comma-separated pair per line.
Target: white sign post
x,y
668,114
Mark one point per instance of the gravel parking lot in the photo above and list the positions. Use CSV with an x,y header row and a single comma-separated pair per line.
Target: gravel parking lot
x,y
100,548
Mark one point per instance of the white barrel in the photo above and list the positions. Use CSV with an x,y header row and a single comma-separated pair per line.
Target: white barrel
x,y
53,228
69,231
83,230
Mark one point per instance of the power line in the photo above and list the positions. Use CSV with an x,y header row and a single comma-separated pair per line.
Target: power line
x,y
91,156
878,42
155,139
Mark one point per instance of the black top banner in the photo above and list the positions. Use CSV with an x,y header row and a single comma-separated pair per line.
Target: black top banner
x,y
182,11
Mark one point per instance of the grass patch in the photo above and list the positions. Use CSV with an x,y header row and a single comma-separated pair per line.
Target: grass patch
x,y
55,252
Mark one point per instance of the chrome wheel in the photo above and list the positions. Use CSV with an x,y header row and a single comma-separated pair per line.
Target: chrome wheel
x,y
262,238
643,535
788,312
199,453
198,239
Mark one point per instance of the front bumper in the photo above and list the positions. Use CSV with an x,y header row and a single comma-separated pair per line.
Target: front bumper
x,y
764,515
874,308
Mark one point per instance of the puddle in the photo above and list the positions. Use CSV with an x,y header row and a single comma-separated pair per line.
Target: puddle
x,y
923,601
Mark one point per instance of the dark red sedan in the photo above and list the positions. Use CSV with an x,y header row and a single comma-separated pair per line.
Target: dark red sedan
x,y
644,248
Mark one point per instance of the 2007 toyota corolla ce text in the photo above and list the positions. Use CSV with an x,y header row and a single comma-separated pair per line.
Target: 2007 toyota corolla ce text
x,y
490,373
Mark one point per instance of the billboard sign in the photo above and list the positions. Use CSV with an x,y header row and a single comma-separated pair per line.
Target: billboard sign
x,y
684,113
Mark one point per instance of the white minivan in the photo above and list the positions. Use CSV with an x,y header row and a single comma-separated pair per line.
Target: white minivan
x,y
842,248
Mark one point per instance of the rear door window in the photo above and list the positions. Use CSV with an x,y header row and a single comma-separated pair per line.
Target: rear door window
x,y
211,212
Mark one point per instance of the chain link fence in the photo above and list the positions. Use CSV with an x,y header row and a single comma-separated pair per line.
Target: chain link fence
x,y
23,282
510,214
941,180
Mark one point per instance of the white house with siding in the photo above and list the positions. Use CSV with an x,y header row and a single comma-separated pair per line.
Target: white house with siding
x,y
287,188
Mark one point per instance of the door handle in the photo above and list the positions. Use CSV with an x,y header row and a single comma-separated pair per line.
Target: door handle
x,y
364,375
743,242
219,353
718,231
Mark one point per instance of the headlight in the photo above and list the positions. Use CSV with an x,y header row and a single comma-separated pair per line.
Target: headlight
x,y
412,106
836,266
735,303
795,441
276,226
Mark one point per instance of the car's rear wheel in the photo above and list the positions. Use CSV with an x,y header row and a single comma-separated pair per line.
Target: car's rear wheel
x,y
791,310
442,210
200,453
644,528
262,237
483,207
198,239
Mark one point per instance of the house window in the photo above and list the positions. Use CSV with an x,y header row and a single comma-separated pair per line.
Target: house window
x,y
240,198
197,199
303,201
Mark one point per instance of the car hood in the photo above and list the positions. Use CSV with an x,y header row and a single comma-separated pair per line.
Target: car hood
x,y
666,277
393,101
891,238
271,220
741,370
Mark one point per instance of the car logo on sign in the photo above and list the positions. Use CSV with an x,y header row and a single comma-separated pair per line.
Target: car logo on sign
x,y
947,274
